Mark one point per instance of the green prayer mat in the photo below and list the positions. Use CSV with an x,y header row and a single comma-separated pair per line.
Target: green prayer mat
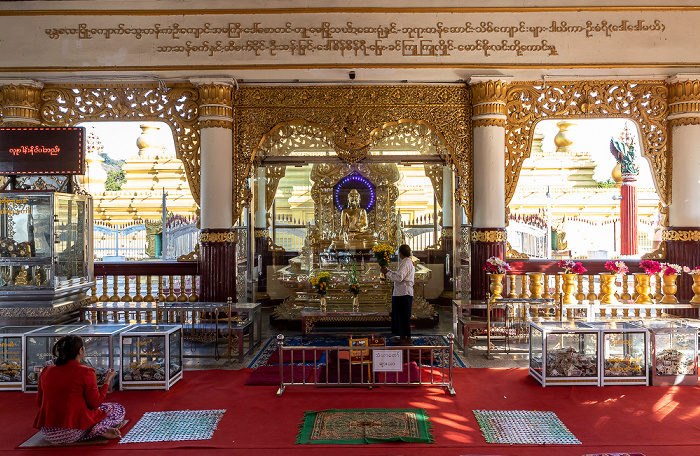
x,y
358,426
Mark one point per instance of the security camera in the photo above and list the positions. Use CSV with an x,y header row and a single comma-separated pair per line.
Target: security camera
x,y
352,75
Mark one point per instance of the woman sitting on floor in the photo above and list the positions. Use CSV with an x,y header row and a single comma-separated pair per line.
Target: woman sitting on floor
x,y
71,404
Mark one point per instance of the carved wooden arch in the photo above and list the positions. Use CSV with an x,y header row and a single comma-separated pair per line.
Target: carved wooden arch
x,y
643,102
352,115
65,105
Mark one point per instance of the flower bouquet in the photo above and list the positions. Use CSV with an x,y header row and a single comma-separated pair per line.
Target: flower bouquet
x,y
571,267
354,286
495,265
694,271
650,267
321,281
383,253
617,267
668,269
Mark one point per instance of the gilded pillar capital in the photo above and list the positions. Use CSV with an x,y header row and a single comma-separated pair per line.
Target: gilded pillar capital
x,y
215,104
489,102
684,101
21,103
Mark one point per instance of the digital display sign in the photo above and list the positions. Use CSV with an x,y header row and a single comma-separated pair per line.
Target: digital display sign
x,y
42,150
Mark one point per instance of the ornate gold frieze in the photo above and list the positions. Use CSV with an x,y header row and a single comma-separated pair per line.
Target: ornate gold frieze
x,y
489,109
489,236
229,236
211,123
447,232
690,107
21,102
215,94
43,312
680,235
259,233
351,120
489,91
514,254
176,105
682,121
489,123
684,91
206,111
435,174
644,102
658,254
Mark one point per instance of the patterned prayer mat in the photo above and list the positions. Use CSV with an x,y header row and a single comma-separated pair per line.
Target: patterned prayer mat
x,y
359,426
332,341
523,427
174,426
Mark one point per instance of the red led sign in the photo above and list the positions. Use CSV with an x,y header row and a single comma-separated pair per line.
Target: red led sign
x,y
42,150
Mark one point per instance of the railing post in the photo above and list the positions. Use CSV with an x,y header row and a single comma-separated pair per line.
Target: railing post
x,y
280,344
450,387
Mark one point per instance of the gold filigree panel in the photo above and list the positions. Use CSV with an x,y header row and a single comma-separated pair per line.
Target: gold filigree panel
x,y
680,235
644,102
65,105
353,119
489,236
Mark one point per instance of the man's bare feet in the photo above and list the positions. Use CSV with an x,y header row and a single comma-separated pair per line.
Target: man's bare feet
x,y
120,425
112,433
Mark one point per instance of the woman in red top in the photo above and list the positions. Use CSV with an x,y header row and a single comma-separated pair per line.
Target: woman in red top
x,y
71,405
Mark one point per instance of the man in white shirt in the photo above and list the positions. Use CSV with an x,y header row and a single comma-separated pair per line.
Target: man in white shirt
x,y
402,299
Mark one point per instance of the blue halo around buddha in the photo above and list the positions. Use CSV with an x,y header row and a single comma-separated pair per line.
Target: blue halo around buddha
x,y
354,181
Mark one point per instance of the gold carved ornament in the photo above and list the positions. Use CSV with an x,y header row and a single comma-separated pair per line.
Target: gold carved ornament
x,y
680,235
658,254
644,102
352,118
514,254
488,236
176,105
229,236
21,101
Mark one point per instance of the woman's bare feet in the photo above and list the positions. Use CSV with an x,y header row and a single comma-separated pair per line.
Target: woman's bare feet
x,y
112,433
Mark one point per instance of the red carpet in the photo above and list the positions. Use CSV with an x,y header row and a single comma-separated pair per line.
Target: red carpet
x,y
654,421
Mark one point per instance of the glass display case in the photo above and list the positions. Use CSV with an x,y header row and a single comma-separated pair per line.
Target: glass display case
x,y
674,353
45,247
11,356
101,350
624,353
564,353
151,356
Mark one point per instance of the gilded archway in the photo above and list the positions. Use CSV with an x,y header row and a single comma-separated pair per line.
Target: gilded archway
x,y
644,102
176,105
351,119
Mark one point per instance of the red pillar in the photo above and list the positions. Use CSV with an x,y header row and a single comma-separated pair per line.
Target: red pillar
x,y
628,216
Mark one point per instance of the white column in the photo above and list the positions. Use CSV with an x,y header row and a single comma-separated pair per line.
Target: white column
x,y
260,210
447,196
488,98
216,154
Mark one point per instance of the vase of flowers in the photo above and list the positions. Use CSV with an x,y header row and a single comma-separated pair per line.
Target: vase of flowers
x,y
607,281
383,253
496,269
571,270
695,274
641,281
669,274
321,282
354,286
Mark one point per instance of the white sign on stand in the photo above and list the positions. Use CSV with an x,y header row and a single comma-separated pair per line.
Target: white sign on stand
x,y
387,360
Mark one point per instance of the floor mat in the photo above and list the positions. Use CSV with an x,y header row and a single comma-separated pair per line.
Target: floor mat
x,y
174,426
38,440
523,427
359,426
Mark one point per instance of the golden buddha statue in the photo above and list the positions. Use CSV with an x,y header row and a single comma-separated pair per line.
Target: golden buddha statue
x,y
354,226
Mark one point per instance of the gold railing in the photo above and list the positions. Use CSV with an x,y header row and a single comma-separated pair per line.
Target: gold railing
x,y
150,282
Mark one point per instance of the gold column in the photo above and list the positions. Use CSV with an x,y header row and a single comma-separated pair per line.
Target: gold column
x,y
21,103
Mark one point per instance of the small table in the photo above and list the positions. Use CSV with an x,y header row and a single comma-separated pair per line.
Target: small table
x,y
309,317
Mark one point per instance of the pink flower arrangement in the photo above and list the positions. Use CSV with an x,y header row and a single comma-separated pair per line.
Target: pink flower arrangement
x,y
617,267
651,267
668,269
694,271
571,267
495,265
